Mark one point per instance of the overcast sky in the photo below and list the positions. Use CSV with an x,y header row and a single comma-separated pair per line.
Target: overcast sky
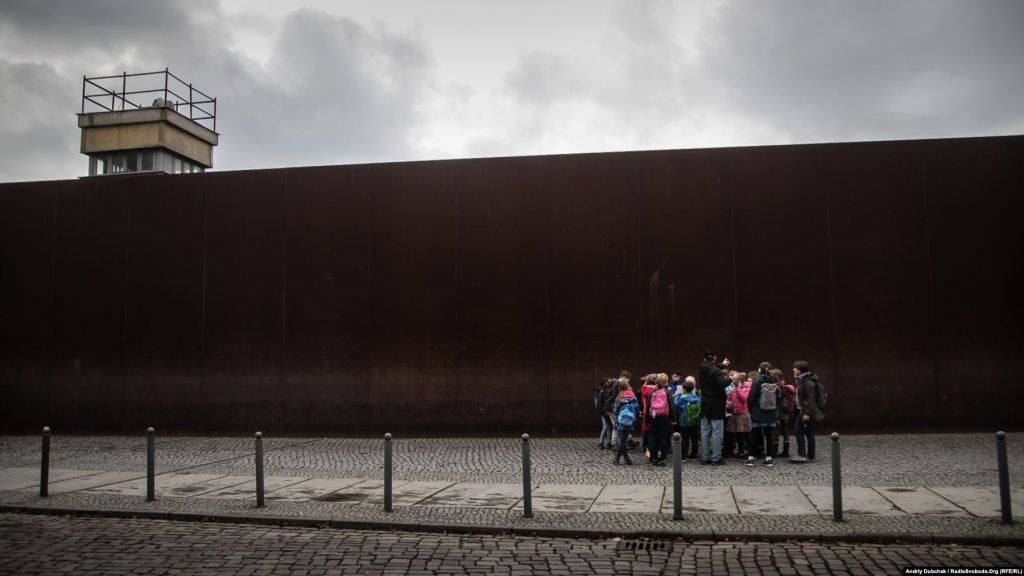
x,y
338,82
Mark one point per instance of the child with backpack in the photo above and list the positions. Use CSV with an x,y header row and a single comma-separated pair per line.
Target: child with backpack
x,y
728,438
787,412
646,422
763,404
626,408
611,392
662,414
674,385
611,405
688,417
739,424
601,397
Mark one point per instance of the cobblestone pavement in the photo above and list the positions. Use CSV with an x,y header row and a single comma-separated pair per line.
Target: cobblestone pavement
x,y
962,462
105,546
868,460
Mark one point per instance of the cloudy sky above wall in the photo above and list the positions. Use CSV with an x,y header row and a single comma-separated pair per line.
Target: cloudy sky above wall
x,y
341,82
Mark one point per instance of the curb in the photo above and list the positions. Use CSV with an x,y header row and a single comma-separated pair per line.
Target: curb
x,y
539,531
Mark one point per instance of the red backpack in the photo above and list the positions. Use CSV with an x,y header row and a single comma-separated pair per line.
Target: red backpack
x,y
788,404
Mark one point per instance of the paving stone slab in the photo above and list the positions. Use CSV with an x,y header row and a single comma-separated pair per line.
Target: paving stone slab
x,y
915,500
94,479
358,492
477,495
625,498
162,483
23,478
501,496
856,500
772,500
205,487
409,493
311,489
563,497
702,500
215,487
248,489
18,478
978,501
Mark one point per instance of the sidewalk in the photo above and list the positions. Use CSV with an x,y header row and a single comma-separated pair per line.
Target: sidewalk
x,y
911,488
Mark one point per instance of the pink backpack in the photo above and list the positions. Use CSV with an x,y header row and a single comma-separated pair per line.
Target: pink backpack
x,y
659,403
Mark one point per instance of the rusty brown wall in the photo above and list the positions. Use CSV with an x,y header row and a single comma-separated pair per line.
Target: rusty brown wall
x,y
488,296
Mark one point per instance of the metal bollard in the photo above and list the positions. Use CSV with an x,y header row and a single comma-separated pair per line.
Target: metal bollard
x,y
259,470
837,481
527,491
387,472
1004,478
44,466
677,477
150,465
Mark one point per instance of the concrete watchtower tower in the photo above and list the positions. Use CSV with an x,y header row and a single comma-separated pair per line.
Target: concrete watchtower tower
x,y
158,124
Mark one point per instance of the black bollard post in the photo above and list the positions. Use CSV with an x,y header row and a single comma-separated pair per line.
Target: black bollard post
x,y
837,481
259,470
677,477
387,472
150,465
527,488
1004,478
44,467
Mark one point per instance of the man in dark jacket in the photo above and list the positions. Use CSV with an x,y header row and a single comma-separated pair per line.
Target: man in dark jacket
x,y
712,407
808,413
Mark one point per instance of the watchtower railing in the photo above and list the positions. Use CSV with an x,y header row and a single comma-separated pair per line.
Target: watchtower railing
x,y
100,93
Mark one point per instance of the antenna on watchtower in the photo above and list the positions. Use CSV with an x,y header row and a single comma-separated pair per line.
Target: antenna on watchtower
x,y
122,135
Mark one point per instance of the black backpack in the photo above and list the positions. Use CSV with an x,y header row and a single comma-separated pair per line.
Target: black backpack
x,y
820,396
610,393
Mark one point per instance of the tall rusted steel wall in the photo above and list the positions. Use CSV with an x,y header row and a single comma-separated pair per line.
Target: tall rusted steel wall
x,y
488,296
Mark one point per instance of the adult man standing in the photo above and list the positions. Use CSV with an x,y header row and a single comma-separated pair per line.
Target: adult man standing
x,y
712,407
808,411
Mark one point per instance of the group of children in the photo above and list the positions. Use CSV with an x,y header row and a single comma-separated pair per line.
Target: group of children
x,y
665,404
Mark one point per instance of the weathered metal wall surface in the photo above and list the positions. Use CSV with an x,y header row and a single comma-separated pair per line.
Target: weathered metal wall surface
x,y
488,296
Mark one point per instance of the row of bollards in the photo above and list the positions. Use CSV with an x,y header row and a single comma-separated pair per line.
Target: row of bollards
x,y
677,486
527,487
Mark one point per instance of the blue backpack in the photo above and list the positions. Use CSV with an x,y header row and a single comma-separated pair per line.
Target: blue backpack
x,y
627,414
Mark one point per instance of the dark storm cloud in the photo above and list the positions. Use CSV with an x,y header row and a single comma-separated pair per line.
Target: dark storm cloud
x,y
869,70
341,91
629,87
788,71
39,129
334,91
62,28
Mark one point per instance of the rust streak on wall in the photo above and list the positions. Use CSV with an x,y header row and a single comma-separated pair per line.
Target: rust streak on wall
x,y
488,296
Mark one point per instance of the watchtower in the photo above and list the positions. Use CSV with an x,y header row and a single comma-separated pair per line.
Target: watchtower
x,y
136,123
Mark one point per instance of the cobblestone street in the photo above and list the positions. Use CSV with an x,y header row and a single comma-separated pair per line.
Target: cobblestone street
x,y
101,546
